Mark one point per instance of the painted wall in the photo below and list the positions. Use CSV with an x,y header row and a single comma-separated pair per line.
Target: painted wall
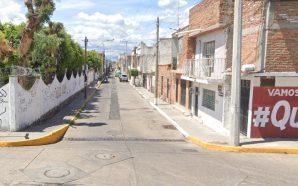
x,y
165,51
212,118
220,43
25,107
4,112
255,82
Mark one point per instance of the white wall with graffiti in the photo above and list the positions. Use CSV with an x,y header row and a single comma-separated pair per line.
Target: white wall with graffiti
x,y
4,113
19,108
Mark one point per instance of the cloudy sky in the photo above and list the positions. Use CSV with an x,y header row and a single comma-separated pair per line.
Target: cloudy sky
x,y
101,20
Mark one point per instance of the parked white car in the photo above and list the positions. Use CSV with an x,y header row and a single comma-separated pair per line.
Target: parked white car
x,y
123,77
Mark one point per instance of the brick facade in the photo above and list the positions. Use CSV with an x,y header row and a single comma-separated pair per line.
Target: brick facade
x,y
188,52
282,41
208,13
165,72
282,36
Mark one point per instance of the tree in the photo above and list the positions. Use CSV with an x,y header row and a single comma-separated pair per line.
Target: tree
x,y
44,54
4,48
133,73
39,12
10,36
94,60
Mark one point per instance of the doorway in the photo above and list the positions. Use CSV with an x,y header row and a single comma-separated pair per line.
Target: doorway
x,y
177,83
196,101
244,105
190,96
183,92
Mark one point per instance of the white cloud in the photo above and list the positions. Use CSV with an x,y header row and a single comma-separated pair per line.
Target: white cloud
x,y
73,4
99,27
10,11
171,3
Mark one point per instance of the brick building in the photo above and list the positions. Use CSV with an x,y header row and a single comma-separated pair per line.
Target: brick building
x,y
180,87
167,52
269,42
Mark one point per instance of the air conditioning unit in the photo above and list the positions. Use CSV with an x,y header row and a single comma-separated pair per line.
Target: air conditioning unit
x,y
248,68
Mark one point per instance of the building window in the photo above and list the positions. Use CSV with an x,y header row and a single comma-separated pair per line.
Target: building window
x,y
267,81
208,57
208,99
174,63
209,49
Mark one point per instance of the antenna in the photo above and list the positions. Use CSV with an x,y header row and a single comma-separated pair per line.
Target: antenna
x,y
178,13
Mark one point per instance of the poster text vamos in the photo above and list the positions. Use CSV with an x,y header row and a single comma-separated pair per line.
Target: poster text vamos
x,y
274,112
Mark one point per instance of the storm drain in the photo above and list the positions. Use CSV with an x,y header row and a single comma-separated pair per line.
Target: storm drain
x,y
171,127
124,139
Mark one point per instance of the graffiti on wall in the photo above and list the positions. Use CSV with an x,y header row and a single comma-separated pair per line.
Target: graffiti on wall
x,y
25,101
3,101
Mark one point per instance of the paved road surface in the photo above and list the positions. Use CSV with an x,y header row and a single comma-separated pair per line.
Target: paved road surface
x,y
120,140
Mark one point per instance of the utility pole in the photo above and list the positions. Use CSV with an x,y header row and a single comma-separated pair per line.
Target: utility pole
x,y
178,14
236,74
85,68
156,65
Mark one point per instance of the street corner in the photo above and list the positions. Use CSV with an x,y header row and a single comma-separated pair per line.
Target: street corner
x,y
49,138
241,149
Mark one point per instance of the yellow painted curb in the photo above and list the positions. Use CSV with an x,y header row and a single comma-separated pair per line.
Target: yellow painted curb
x,y
53,136
227,148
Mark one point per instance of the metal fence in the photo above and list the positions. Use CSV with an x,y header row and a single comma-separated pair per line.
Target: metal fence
x,y
205,68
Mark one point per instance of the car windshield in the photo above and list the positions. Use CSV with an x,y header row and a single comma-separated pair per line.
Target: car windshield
x,y
123,75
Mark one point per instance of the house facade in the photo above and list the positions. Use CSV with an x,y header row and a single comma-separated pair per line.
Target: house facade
x,y
167,53
145,62
269,39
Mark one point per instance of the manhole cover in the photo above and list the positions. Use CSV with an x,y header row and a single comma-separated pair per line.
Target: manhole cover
x,y
57,173
105,156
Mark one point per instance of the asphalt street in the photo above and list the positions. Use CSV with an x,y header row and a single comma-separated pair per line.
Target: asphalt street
x,y
119,139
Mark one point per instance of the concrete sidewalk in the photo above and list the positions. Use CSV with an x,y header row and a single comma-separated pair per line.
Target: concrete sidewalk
x,y
200,134
55,123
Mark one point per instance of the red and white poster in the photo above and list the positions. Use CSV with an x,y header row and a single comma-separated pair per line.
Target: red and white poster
x,y
274,112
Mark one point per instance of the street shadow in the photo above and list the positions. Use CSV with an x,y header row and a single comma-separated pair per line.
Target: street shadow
x,y
65,113
89,124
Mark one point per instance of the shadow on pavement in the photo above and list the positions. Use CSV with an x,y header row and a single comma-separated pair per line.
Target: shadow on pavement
x,y
88,124
65,114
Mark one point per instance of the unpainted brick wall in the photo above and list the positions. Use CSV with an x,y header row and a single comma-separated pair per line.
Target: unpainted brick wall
x,y
282,43
207,13
165,72
253,13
